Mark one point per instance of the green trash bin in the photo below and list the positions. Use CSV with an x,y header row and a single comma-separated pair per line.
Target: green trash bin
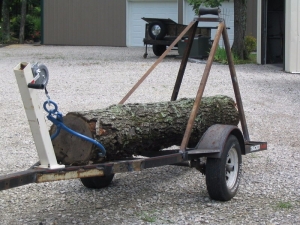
x,y
200,48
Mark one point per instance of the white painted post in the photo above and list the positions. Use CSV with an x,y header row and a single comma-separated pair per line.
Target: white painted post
x,y
36,118
292,37
259,19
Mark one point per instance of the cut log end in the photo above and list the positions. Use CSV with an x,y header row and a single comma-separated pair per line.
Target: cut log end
x,y
69,149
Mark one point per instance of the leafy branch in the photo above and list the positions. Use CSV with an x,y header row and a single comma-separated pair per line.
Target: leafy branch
x,y
207,3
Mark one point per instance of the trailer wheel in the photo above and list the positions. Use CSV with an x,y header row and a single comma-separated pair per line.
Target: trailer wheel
x,y
158,50
157,30
97,182
223,174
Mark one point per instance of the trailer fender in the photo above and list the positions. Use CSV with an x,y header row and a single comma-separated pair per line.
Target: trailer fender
x,y
215,138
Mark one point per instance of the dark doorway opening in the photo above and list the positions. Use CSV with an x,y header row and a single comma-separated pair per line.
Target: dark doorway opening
x,y
273,33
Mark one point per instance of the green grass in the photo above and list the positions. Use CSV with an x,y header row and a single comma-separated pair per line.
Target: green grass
x,y
284,205
253,156
221,57
148,218
152,217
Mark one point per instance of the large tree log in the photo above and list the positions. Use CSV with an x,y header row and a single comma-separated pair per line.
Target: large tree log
x,y
126,130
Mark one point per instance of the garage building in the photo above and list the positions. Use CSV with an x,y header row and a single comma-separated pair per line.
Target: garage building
x,y
115,22
278,33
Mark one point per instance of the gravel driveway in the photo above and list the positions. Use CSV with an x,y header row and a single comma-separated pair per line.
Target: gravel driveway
x,y
85,78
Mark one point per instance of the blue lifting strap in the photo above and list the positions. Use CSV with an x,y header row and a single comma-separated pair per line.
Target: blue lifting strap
x,y
58,122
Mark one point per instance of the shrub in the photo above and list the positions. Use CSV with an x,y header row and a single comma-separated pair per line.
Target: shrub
x,y
29,26
250,44
221,57
37,23
32,26
207,3
36,12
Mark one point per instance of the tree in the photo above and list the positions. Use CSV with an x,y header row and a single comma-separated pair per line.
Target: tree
x,y
22,22
1,1
240,25
240,18
20,19
5,21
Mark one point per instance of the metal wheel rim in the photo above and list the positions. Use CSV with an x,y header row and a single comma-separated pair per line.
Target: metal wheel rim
x,y
231,167
156,30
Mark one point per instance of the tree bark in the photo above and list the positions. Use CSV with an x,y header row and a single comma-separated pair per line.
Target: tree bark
x,y
240,24
1,1
5,22
23,20
126,130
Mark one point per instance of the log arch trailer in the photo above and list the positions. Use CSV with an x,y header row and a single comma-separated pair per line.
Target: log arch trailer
x,y
218,154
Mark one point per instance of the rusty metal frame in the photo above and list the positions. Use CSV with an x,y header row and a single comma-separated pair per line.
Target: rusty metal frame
x,y
157,62
155,159
220,31
39,175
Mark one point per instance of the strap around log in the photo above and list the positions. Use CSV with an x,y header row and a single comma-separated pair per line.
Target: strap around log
x,y
211,11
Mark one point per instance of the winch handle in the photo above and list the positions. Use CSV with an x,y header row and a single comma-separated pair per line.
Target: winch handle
x,y
209,11
36,86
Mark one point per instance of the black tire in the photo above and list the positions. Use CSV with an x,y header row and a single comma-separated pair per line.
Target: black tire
x,y
158,26
97,182
223,175
158,50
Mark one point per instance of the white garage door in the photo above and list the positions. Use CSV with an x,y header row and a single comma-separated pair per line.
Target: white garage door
x,y
135,31
227,13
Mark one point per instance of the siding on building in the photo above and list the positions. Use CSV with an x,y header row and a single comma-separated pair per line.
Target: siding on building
x,y
100,23
88,22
